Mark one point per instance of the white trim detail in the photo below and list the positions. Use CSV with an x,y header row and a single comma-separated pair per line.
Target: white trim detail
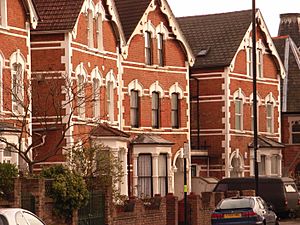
x,y
155,87
137,86
175,88
97,75
110,77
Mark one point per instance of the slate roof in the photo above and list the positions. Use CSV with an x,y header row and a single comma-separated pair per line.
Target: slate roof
x,y
293,73
130,13
220,34
57,15
290,25
151,139
104,130
264,142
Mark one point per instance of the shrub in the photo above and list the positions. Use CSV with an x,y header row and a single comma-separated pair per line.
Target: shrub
x,y
7,174
68,190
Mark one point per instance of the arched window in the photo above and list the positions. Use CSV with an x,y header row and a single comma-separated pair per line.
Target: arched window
x,y
96,97
3,13
99,22
148,48
134,108
90,28
270,104
110,100
81,95
238,103
17,87
160,49
155,110
175,110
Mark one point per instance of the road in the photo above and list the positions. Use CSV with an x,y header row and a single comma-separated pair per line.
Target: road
x,y
290,222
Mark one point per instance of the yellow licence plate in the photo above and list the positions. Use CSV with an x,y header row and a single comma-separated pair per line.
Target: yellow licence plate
x,y
233,215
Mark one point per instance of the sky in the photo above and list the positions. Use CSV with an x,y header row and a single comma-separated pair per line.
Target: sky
x,y
271,9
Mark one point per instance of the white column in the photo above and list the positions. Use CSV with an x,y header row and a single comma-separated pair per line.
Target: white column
x,y
170,174
268,165
124,185
155,173
279,163
135,175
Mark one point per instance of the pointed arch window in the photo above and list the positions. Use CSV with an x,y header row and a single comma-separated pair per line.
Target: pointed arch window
x,y
270,117
148,48
96,97
90,30
99,31
81,96
110,100
175,110
249,62
17,87
160,49
134,108
238,102
155,110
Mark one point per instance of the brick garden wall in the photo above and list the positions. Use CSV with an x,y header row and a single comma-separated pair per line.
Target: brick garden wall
x,y
158,210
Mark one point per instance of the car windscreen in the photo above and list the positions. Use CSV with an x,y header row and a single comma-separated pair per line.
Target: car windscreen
x,y
236,203
290,188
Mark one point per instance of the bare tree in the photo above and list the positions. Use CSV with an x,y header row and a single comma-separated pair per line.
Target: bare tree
x,y
43,110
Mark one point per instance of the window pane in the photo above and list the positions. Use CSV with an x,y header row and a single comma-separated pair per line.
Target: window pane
x,y
175,110
296,127
162,174
262,165
155,109
296,138
145,176
274,164
7,152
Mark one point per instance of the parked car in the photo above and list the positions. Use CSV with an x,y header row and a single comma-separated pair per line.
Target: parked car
x,y
280,192
17,216
243,210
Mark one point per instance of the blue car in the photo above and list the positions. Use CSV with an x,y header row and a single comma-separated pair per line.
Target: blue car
x,y
243,210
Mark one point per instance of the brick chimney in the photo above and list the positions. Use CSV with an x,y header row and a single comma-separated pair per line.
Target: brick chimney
x,y
290,25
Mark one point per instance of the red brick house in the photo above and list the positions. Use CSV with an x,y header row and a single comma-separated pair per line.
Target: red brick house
x,y
16,19
221,96
288,43
115,72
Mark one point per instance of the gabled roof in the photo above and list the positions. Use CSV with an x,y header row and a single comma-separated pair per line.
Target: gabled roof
x,y
290,25
130,13
290,54
57,15
150,139
104,130
218,34
264,142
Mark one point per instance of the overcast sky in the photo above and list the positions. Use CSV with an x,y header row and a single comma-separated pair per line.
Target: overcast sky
x,y
270,8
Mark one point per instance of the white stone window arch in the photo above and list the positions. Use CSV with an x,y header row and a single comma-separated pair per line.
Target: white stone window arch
x,y
111,84
156,87
258,102
3,13
81,76
239,100
96,84
100,17
236,166
17,66
270,104
176,93
135,91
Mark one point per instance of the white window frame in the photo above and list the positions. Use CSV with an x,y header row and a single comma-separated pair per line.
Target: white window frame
x,y
160,49
239,115
96,97
110,100
262,165
99,31
148,48
163,174
81,95
155,109
274,164
175,111
249,61
134,108
3,13
145,178
270,117
90,28
17,85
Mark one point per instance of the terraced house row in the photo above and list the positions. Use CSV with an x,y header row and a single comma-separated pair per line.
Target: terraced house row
x,y
131,76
